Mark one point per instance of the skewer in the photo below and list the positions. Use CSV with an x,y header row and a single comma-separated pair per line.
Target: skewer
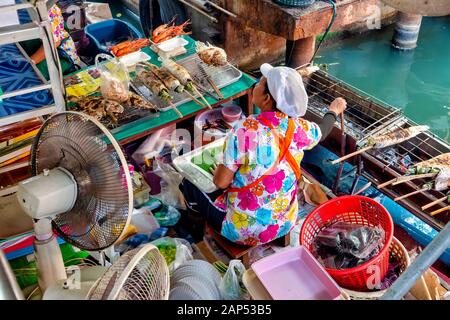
x,y
363,189
195,99
434,202
440,210
413,177
351,155
176,110
387,183
412,193
216,89
201,96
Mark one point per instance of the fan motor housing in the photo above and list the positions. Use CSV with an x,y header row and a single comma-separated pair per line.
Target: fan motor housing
x,y
50,193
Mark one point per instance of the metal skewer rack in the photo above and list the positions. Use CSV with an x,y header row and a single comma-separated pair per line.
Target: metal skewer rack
x,y
365,117
38,28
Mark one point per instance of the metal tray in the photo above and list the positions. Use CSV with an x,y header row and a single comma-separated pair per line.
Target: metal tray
x,y
222,77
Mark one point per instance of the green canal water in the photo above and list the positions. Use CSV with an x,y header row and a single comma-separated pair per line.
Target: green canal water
x,y
417,82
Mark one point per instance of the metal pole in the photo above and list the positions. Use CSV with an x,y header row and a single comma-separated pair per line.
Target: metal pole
x,y
9,289
428,256
51,56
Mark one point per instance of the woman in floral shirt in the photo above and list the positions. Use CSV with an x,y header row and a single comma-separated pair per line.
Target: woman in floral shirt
x,y
63,40
261,165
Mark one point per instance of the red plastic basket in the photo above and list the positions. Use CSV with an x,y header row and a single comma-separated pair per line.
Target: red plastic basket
x,y
357,210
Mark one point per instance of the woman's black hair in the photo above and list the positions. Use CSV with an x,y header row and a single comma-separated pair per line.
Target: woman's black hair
x,y
267,91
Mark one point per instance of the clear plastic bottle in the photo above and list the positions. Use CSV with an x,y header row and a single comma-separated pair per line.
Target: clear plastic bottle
x,y
49,260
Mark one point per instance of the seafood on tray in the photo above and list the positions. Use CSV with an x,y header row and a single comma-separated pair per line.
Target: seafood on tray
x,y
98,107
180,73
211,55
169,30
166,77
129,46
156,86
387,140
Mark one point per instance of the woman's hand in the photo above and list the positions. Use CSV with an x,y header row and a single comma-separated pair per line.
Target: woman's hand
x,y
338,106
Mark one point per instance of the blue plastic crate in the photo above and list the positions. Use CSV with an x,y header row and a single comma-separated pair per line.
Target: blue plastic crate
x,y
110,32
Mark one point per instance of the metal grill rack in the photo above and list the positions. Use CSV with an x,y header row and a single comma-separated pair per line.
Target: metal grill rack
x,y
39,28
365,115
222,77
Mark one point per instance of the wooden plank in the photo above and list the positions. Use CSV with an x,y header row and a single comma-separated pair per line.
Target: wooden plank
x,y
295,23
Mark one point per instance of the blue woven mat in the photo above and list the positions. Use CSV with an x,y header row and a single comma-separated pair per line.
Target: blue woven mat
x,y
17,73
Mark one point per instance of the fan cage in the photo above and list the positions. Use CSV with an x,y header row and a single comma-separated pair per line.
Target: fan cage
x,y
139,274
85,148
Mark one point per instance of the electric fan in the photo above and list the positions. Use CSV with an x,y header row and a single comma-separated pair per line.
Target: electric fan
x,y
81,186
139,274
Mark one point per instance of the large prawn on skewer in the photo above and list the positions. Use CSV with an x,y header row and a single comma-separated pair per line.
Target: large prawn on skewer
x,y
167,31
129,46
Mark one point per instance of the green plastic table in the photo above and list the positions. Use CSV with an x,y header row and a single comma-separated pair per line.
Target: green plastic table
x,y
140,128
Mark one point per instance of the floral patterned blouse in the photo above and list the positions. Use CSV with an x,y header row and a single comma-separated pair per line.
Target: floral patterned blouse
x,y
61,35
269,210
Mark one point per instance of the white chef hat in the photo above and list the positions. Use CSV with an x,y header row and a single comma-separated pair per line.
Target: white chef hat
x,y
286,87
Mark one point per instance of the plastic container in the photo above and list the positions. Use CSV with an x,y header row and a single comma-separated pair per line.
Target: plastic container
x,y
359,210
130,60
172,44
294,274
210,134
231,113
110,32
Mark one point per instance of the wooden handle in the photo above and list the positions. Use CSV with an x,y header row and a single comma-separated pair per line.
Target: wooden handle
x,y
216,89
440,210
411,194
413,177
363,189
202,97
342,124
176,110
195,100
387,183
351,155
434,203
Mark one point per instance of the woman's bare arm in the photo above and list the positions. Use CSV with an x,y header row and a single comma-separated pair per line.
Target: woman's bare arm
x,y
39,55
223,177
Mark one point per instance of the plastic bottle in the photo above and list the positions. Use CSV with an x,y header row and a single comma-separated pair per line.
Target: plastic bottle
x,y
49,260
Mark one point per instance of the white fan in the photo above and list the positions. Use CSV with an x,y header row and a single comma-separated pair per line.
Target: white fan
x,y
139,274
82,188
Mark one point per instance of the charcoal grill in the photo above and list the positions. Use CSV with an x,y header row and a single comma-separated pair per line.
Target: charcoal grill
x,y
365,117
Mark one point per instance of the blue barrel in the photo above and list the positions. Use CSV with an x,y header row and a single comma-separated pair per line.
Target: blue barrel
x,y
407,28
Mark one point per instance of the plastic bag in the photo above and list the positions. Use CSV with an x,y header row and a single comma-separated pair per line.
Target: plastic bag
x,y
345,245
168,216
144,221
115,80
230,285
171,180
176,251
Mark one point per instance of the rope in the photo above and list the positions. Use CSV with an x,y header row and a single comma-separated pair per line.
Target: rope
x,y
328,29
